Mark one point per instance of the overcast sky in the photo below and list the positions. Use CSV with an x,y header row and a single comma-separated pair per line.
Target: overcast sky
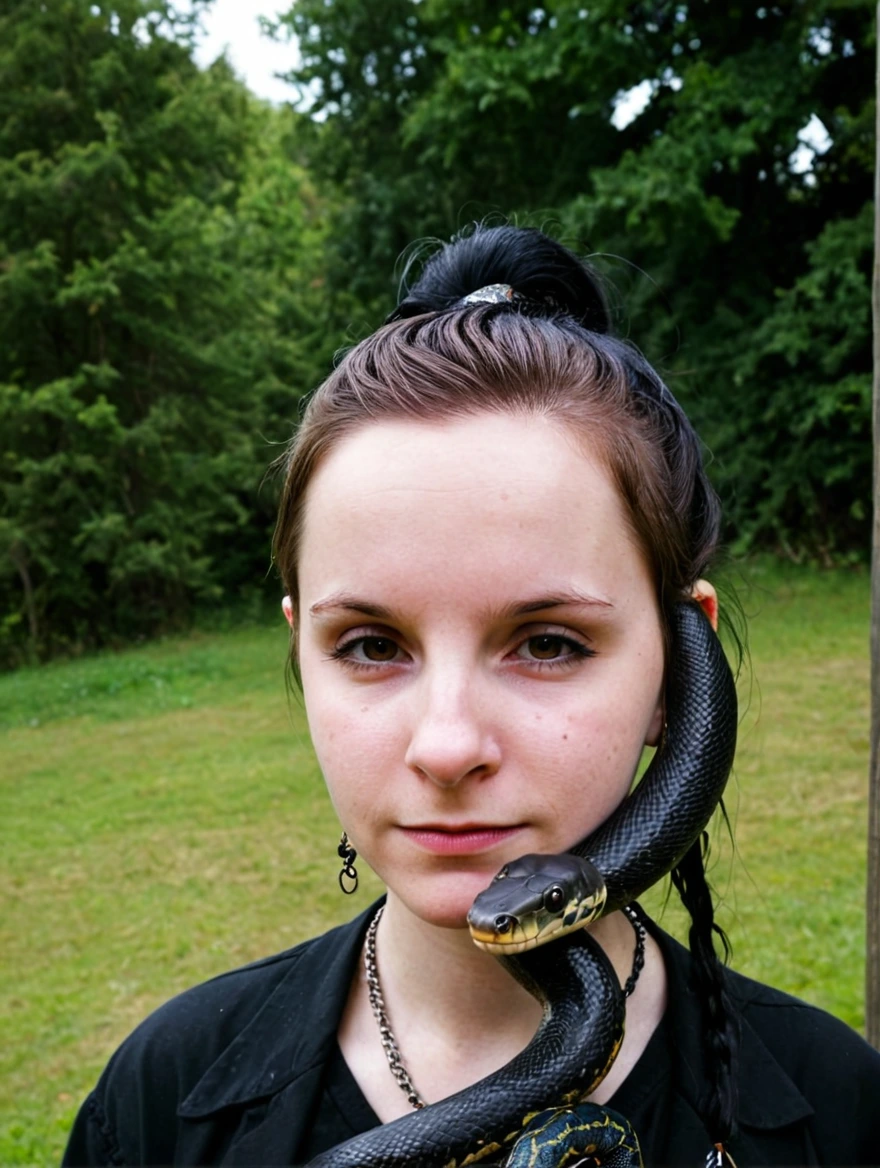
x,y
232,24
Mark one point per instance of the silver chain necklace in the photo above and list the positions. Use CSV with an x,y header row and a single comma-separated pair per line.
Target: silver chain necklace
x,y
389,1042
377,1002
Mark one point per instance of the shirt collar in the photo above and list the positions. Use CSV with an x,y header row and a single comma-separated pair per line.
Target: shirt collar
x,y
275,1047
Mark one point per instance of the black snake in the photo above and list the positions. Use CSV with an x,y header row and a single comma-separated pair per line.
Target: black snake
x,y
582,1028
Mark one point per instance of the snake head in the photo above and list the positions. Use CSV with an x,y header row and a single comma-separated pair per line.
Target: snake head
x,y
534,899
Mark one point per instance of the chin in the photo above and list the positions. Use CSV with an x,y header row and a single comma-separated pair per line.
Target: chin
x,y
444,901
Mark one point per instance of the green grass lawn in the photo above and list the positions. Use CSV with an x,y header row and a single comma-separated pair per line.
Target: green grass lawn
x,y
163,819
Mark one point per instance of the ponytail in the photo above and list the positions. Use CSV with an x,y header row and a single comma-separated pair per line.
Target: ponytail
x,y
720,1030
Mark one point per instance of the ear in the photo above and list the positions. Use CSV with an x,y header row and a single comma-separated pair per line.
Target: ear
x,y
287,609
707,598
705,595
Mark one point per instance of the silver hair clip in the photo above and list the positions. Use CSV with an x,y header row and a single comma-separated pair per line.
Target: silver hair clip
x,y
491,294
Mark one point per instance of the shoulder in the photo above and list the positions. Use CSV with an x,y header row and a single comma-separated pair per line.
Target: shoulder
x,y
818,1050
798,1067
807,1040
214,1046
836,1072
186,1034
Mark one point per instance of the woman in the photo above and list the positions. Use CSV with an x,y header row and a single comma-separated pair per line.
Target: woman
x,y
489,512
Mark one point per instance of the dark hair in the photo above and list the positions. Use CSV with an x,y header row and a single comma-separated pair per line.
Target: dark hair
x,y
720,1026
547,350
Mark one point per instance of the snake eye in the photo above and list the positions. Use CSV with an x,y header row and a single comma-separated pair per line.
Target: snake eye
x,y
504,923
500,875
554,899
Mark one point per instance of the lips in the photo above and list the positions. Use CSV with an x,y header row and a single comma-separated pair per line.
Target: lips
x,y
459,839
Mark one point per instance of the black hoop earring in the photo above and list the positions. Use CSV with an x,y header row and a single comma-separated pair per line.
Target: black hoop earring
x,y
348,856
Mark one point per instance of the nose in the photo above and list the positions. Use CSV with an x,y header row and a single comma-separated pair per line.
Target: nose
x,y
452,735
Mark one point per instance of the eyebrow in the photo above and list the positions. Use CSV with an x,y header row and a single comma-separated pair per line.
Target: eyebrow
x,y
557,600
348,602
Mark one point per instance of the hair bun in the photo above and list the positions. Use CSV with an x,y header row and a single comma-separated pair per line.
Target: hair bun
x,y
547,275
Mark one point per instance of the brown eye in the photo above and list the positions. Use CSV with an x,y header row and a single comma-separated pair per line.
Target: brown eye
x,y
379,649
546,647
552,649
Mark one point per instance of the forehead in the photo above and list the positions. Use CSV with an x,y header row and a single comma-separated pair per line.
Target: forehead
x,y
479,502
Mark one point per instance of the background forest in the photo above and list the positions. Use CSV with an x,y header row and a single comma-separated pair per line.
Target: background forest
x,y
179,261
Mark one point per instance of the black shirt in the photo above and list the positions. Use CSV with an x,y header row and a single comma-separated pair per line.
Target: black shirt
x,y
240,1071
341,1111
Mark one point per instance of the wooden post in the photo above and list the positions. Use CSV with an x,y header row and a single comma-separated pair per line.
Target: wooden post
x,y
872,968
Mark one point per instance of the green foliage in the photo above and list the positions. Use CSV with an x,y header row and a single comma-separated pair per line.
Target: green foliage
x,y
742,273
153,228
800,441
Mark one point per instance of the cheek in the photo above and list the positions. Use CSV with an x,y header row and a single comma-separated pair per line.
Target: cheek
x,y
590,761
354,748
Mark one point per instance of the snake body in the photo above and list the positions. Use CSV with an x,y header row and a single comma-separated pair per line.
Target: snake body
x,y
582,1027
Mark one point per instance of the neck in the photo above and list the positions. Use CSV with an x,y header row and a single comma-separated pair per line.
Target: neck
x,y
464,991
461,989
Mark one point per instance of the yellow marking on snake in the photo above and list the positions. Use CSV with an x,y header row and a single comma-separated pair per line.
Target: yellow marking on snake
x,y
476,1157
538,1140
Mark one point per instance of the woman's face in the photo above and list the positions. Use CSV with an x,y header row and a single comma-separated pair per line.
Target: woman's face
x,y
480,645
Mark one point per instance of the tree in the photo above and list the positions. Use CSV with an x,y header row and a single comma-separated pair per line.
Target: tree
x,y
151,218
872,898
743,253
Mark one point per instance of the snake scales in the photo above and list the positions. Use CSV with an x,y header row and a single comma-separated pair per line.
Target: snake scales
x,y
582,1027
